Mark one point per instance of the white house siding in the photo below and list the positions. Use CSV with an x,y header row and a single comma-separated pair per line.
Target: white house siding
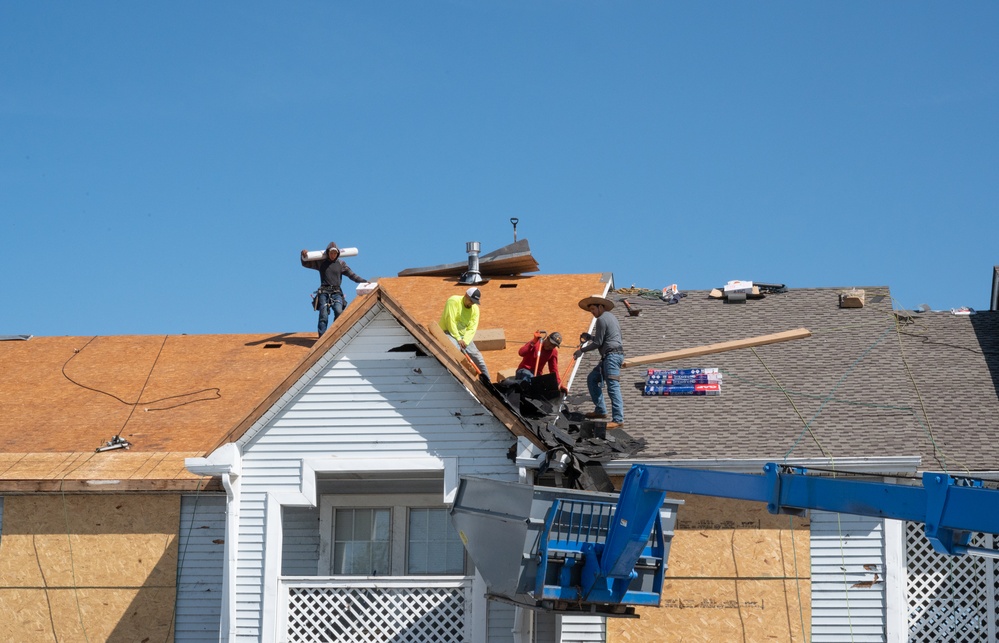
x,y
300,542
546,627
363,401
501,622
201,555
848,578
582,629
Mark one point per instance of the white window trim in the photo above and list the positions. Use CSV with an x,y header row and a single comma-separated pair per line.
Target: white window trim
x,y
399,504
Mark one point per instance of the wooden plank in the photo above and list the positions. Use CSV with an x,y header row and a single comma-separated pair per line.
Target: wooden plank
x,y
720,347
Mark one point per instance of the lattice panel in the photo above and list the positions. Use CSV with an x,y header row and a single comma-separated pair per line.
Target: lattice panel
x,y
951,598
370,615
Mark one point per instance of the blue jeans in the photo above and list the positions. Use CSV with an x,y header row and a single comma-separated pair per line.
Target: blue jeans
x,y
608,369
326,302
473,352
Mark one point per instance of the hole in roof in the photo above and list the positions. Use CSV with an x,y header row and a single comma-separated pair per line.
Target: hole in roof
x,y
408,348
508,285
877,299
272,345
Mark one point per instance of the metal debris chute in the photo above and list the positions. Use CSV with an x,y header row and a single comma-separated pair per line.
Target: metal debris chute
x,y
557,536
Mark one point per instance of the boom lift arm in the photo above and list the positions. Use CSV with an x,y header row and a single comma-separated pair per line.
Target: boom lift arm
x,y
950,508
581,551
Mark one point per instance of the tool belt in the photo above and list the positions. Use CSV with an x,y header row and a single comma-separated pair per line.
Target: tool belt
x,y
327,290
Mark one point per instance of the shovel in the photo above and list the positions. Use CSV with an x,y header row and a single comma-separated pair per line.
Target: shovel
x,y
631,309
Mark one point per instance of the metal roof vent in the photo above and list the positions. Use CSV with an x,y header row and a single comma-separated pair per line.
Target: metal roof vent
x,y
471,276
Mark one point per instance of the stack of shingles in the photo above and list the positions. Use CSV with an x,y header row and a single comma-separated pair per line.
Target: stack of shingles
x,y
683,381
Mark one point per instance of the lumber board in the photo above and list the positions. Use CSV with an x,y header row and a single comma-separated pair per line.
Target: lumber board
x,y
720,347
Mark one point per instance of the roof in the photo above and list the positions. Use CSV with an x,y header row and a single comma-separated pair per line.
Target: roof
x,y
868,383
63,397
519,305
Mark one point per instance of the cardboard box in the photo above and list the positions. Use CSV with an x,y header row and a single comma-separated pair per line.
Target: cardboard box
x,y
490,339
852,298
738,286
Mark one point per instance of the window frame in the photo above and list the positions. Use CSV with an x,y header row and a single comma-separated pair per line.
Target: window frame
x,y
399,504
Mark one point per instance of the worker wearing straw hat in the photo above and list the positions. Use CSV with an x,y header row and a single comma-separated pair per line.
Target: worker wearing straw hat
x,y
607,339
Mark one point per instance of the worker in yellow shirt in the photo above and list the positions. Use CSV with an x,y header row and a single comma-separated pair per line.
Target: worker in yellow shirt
x,y
460,320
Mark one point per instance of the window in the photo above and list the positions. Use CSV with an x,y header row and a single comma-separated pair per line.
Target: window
x,y
388,535
434,546
361,540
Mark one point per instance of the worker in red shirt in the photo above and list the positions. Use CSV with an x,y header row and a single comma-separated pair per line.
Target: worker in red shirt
x,y
537,353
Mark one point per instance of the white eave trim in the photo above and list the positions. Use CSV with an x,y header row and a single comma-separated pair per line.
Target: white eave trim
x,y
224,460
888,465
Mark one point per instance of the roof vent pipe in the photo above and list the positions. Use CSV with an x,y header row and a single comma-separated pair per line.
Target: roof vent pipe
x,y
995,288
472,276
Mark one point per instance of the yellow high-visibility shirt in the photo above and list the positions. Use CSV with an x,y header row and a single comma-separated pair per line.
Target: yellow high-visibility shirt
x,y
460,322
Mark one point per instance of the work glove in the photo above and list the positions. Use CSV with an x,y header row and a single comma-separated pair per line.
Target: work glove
x,y
577,354
585,337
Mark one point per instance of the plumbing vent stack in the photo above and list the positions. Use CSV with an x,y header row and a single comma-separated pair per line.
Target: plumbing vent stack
x,y
472,276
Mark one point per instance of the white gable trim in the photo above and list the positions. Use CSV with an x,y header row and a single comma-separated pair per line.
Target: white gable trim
x,y
332,353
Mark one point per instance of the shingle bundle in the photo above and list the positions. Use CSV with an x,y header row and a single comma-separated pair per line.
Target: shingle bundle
x,y
683,381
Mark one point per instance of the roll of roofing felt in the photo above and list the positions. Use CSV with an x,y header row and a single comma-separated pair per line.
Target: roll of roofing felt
x,y
313,255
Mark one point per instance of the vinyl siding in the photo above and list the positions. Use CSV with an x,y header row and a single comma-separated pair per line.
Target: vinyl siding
x,y
582,629
501,621
300,544
201,556
848,572
363,401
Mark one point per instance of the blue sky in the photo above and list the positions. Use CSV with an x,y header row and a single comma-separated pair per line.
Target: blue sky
x,y
163,163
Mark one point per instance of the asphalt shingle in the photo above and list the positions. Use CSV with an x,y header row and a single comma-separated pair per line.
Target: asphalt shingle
x,y
863,385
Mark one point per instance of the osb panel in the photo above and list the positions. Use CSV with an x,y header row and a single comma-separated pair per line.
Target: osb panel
x,y
716,537
88,568
119,464
517,305
720,610
86,615
163,393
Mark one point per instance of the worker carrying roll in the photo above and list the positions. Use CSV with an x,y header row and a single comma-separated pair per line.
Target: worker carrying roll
x,y
331,269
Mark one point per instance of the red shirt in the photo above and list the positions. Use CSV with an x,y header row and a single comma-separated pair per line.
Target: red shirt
x,y
529,353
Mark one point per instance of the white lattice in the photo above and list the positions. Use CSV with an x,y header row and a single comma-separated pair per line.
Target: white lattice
x,y
952,599
376,614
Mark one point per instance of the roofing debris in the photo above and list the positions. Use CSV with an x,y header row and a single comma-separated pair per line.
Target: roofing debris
x,y
577,447
513,259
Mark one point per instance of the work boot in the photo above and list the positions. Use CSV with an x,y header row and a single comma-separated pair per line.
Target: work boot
x,y
614,425
594,415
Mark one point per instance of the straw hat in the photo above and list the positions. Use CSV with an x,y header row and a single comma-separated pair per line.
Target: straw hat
x,y
596,299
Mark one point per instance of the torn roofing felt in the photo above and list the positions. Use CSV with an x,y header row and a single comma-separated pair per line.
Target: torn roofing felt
x,y
539,404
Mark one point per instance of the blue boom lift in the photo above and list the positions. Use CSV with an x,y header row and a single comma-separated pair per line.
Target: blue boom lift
x,y
606,553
